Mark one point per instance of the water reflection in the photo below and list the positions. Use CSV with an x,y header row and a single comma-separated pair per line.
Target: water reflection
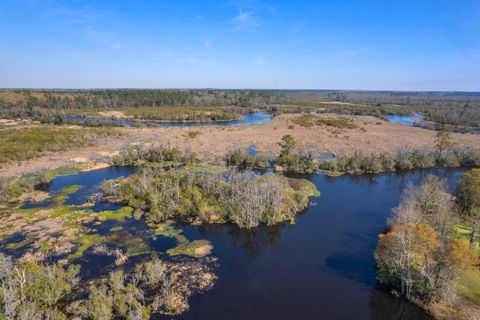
x,y
384,306
248,119
321,267
256,240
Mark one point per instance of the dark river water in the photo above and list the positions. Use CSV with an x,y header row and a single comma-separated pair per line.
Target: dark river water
x,y
248,119
321,267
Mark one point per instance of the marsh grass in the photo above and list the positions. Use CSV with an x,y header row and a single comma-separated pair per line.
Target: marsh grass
x,y
28,143
308,120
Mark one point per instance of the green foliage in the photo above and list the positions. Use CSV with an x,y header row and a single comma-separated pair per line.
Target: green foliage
x,y
162,156
468,189
241,197
32,289
197,248
443,141
402,160
183,113
240,159
116,297
173,105
27,143
419,255
457,110
120,214
193,134
293,162
308,120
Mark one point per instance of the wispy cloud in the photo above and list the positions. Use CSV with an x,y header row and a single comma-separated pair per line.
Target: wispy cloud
x,y
106,39
98,26
246,20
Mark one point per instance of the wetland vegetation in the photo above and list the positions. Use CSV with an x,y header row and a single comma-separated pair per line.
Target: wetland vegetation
x,y
28,143
455,111
144,233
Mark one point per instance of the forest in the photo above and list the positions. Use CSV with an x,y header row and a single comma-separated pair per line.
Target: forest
x,y
457,109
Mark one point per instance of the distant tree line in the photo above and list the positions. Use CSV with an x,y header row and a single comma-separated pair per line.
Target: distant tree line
x,y
452,108
43,105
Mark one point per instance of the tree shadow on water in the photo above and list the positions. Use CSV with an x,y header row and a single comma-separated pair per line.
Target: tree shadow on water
x,y
384,306
256,240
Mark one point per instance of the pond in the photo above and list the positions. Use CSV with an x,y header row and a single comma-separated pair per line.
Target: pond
x,y
89,182
409,120
248,119
320,267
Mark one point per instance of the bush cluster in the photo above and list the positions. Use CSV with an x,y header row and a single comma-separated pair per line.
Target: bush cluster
x,y
243,198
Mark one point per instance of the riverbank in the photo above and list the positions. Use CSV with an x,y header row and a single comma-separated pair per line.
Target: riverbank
x,y
370,136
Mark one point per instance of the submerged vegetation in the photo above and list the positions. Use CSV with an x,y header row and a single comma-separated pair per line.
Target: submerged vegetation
x,y
64,234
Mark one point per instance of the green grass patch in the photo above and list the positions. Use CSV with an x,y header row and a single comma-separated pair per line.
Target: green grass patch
x,y
28,143
463,232
18,245
85,241
167,229
66,171
119,215
182,113
197,248
63,195
470,282
308,120
302,184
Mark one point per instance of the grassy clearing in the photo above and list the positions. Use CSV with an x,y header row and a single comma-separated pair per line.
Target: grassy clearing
x,y
470,282
302,184
28,143
308,120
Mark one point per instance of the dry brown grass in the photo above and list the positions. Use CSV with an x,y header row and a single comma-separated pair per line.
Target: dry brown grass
x,y
372,135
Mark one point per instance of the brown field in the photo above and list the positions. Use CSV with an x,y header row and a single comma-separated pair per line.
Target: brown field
x,y
372,135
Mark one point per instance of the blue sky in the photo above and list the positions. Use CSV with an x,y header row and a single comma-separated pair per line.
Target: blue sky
x,y
390,45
